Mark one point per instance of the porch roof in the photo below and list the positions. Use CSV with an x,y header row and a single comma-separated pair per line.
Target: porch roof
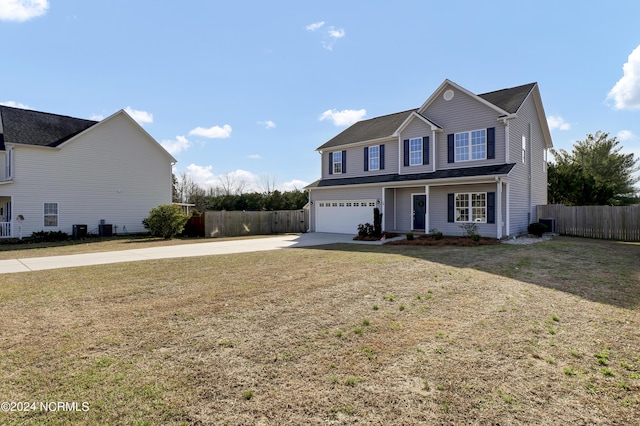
x,y
492,170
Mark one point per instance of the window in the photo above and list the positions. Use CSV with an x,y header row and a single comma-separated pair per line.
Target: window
x,y
471,145
415,152
471,207
8,163
50,214
374,157
337,162
524,149
544,160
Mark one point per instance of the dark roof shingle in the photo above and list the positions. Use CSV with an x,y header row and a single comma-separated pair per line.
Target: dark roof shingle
x,y
381,127
371,129
495,169
509,99
30,127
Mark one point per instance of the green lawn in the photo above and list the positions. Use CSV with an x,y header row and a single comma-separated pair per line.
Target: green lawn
x,y
536,334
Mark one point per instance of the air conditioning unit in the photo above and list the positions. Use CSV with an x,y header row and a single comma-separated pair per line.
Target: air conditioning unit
x,y
550,222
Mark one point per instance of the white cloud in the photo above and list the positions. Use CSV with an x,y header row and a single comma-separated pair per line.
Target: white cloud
x,y
315,26
141,117
329,36
293,184
96,117
215,132
625,135
176,146
267,124
626,92
15,104
254,156
346,117
557,122
22,10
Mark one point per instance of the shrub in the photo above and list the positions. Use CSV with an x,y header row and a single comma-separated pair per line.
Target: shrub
x,y
365,230
166,220
409,236
377,222
436,234
469,229
49,236
537,229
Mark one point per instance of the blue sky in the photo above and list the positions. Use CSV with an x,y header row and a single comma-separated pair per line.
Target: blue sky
x,y
249,90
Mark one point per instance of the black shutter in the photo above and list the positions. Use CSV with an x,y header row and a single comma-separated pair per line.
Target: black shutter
x,y
451,207
344,161
331,163
381,157
366,158
406,152
491,207
491,143
451,149
425,150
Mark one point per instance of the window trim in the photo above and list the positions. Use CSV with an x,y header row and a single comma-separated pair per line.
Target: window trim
x,y
416,152
372,158
337,164
470,208
49,214
468,147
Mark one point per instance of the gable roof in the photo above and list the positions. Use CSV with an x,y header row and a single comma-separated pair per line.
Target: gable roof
x,y
28,127
371,129
503,101
509,99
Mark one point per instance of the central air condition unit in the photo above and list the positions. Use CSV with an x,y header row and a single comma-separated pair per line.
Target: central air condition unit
x,y
550,222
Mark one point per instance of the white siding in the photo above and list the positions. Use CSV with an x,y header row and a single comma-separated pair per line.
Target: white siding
x,y
114,171
355,161
462,114
416,129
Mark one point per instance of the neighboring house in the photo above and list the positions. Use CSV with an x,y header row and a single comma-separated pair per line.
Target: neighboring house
x,y
459,158
58,171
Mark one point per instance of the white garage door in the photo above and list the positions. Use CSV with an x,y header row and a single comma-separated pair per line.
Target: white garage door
x,y
343,216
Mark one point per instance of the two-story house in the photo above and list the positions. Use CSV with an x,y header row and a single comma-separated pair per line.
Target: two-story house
x,y
58,171
459,158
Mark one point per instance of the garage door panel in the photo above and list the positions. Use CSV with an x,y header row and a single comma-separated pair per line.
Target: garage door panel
x,y
343,216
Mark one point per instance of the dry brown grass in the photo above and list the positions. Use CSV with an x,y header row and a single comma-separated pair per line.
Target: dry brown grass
x,y
499,334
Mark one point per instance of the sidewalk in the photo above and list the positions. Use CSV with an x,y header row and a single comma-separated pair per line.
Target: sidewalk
x,y
184,250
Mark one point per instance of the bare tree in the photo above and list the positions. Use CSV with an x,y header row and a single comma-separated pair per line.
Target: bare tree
x,y
268,184
232,185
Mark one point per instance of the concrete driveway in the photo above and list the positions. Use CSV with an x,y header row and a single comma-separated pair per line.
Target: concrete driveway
x,y
187,250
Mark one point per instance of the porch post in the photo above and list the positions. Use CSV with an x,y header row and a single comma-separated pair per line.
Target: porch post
x,y
383,208
426,210
499,209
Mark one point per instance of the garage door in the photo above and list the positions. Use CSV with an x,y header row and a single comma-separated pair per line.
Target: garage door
x,y
343,216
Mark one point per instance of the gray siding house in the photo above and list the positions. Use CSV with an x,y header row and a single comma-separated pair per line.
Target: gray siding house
x,y
459,158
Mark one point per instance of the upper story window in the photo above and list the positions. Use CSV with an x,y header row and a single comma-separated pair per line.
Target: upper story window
x,y
415,152
337,162
524,149
374,157
8,163
471,145
50,214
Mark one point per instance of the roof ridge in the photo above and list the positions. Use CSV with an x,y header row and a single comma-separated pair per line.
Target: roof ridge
x,y
47,113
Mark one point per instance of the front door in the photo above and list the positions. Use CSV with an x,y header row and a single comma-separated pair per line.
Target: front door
x,y
419,211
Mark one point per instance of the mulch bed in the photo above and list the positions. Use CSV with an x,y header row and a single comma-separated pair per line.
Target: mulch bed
x,y
429,240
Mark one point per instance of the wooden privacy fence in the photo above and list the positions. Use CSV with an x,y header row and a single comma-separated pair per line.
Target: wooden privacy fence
x,y
236,223
605,222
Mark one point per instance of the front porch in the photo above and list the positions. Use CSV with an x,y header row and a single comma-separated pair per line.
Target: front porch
x,y
6,227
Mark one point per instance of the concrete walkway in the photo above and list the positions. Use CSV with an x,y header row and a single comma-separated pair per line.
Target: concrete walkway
x,y
184,250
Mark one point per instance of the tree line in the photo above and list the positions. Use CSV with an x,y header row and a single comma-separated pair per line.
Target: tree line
x,y
595,172
231,195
